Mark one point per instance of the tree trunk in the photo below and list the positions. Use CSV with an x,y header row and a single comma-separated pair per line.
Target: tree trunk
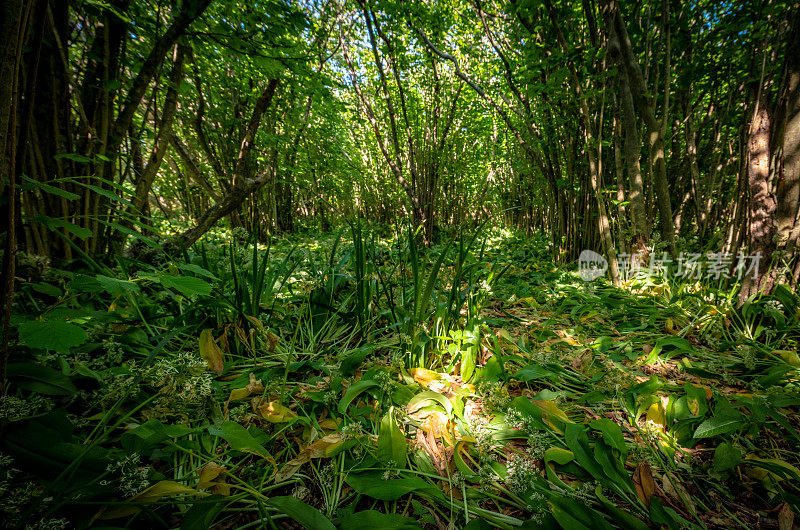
x,y
245,184
618,37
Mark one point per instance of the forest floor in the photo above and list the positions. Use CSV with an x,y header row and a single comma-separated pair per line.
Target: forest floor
x,y
364,383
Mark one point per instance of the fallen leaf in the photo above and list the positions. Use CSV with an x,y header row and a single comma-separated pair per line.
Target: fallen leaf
x,y
156,492
643,480
211,352
436,423
208,473
253,387
273,341
423,376
212,478
657,415
322,448
785,517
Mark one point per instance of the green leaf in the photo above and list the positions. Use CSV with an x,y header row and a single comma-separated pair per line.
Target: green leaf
x,y
48,289
47,188
106,193
186,285
197,269
718,425
726,456
558,455
531,372
350,363
418,401
675,344
353,393
392,445
308,516
54,224
55,335
578,442
374,486
376,519
116,287
239,438
151,433
612,434
81,159
41,379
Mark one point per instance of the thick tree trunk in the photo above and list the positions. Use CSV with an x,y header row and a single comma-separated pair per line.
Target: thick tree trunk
x,y
762,203
13,28
640,237
788,128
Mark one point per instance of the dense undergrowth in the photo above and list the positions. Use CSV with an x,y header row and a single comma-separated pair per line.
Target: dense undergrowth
x,y
357,381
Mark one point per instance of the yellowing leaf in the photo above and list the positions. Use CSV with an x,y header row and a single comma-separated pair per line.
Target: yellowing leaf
x,y
436,424
424,376
550,411
656,414
322,448
208,473
329,424
529,301
273,340
156,492
256,322
693,404
274,412
253,387
760,468
212,477
788,356
210,351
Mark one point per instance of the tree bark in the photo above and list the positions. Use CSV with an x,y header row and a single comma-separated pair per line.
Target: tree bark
x,y
618,35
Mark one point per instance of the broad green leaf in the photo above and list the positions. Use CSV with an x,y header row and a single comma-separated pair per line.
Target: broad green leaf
x,y
558,455
423,398
718,425
726,456
375,519
42,379
75,157
239,438
532,372
612,433
186,285
54,224
116,287
53,335
374,486
353,393
197,269
308,516
578,442
47,188
392,445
